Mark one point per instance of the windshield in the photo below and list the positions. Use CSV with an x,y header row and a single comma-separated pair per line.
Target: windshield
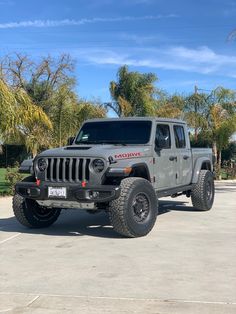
x,y
115,132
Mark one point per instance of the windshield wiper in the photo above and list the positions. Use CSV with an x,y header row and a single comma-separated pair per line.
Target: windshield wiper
x,y
114,143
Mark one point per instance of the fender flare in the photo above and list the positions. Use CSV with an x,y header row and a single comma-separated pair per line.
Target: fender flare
x,y
142,165
201,163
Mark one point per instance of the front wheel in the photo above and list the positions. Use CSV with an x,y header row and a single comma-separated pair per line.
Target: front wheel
x,y
30,214
134,213
203,193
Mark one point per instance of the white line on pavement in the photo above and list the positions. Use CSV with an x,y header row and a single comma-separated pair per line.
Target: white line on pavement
x,y
12,237
118,298
32,301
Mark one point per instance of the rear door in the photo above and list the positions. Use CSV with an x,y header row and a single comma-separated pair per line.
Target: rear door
x,y
184,157
164,164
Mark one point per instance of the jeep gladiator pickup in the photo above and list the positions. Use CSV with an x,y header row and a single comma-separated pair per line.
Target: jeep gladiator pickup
x,y
121,166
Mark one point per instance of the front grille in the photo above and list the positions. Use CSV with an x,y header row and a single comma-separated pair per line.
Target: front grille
x,y
67,169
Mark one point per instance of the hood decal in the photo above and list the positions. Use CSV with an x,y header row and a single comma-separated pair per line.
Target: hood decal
x,y
127,155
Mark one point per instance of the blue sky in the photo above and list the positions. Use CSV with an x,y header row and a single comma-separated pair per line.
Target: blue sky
x,y
183,42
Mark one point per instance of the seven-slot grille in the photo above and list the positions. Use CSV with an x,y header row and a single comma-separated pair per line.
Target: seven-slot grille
x,y
67,169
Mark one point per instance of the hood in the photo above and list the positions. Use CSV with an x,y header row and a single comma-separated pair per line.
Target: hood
x,y
99,151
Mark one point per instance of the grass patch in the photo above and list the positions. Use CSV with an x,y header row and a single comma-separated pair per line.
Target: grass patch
x,y
4,186
7,187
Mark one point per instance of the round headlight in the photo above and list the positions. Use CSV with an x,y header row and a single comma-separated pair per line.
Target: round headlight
x,y
42,164
98,165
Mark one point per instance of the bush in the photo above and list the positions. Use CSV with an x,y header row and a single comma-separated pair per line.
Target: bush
x,y
10,154
228,173
13,176
229,153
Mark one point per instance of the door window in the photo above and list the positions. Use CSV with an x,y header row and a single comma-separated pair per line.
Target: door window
x,y
180,141
162,139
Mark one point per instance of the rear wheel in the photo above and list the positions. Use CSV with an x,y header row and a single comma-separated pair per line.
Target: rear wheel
x,y
134,213
30,214
204,191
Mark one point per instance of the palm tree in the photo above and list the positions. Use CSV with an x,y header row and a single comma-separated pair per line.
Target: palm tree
x,y
221,126
212,116
133,94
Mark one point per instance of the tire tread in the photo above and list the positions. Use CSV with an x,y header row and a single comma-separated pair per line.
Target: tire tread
x,y
198,193
116,209
18,210
25,217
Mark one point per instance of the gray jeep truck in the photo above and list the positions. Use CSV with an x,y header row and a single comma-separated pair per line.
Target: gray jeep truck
x,y
122,166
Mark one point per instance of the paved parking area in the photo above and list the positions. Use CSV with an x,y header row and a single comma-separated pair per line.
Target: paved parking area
x,y
187,264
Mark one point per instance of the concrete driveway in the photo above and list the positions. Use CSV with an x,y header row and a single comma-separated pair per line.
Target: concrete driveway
x,y
187,264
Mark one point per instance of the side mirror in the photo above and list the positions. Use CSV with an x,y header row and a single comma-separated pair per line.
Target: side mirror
x,y
70,140
26,166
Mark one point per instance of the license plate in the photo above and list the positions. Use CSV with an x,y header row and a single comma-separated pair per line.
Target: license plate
x,y
57,192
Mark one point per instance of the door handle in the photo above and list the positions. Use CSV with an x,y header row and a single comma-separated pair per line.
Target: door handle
x,y
172,158
186,157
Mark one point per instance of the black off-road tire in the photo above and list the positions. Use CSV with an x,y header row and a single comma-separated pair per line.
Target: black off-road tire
x,y
203,193
134,213
30,214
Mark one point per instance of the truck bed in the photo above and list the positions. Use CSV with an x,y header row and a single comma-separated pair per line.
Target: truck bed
x,y
197,153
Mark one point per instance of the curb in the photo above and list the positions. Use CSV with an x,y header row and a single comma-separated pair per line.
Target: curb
x,y
225,181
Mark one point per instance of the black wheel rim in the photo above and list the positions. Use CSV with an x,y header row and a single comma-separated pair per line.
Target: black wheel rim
x,y
209,190
140,207
42,213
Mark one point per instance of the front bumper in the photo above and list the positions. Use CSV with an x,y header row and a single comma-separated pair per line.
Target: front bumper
x,y
75,193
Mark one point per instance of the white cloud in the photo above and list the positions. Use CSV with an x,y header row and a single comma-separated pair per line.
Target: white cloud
x,y
200,60
68,22
202,55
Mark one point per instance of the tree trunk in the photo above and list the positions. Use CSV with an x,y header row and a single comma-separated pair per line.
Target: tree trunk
x,y
196,134
216,159
219,159
34,152
214,148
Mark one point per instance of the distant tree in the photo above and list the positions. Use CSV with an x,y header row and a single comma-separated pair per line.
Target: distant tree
x,y
22,121
49,76
67,114
88,110
226,98
170,106
16,70
221,126
63,111
195,112
229,152
47,86
212,116
134,93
